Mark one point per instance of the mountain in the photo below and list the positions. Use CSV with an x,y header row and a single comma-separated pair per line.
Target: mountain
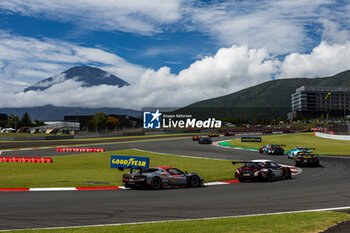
x,y
89,76
53,113
268,100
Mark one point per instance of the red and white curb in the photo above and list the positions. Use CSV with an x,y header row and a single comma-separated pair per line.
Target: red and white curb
x,y
95,188
60,189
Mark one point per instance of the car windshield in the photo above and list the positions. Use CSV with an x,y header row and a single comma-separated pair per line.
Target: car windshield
x,y
252,164
174,171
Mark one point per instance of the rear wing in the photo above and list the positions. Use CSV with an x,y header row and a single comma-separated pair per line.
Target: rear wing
x,y
131,169
235,162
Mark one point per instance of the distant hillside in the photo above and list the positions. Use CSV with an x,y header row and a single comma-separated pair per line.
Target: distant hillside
x,y
89,76
268,100
52,113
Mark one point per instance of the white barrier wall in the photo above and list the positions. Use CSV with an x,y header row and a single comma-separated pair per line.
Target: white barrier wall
x,y
332,136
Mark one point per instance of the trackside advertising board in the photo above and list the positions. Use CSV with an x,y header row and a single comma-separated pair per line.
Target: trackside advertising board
x,y
250,139
129,161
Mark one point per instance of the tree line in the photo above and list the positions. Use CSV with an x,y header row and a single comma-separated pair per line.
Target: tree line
x,y
15,122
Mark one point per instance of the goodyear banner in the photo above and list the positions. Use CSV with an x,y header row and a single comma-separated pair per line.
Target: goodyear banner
x,y
129,161
250,139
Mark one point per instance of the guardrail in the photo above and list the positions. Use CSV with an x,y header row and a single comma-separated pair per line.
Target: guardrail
x,y
333,136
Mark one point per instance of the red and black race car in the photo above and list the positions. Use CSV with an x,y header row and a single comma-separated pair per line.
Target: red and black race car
x,y
161,177
229,133
260,170
196,138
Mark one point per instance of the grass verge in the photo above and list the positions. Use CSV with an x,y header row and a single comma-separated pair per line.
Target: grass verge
x,y
93,169
322,145
277,223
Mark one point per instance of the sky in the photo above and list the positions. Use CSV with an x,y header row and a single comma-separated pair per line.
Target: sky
x,y
172,52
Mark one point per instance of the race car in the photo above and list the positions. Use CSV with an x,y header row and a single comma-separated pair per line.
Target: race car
x,y
306,159
298,149
161,177
205,140
288,130
262,170
272,149
213,135
196,138
267,131
229,133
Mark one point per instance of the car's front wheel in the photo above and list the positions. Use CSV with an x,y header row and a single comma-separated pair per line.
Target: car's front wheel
x,y
288,174
156,183
195,181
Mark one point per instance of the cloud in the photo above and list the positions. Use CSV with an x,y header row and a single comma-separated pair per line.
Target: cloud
x,y
325,59
332,33
280,26
229,69
29,60
143,17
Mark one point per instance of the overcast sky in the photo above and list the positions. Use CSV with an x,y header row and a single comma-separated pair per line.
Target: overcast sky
x,y
173,52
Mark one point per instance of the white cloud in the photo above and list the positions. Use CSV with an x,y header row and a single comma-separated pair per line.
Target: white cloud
x,y
280,26
325,59
29,60
230,69
137,16
332,32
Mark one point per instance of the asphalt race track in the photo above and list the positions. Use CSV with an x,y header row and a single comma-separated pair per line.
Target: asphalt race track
x,y
321,187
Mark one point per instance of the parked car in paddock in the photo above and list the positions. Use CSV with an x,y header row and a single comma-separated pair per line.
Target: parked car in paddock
x,y
297,149
306,159
272,149
213,135
196,138
205,140
161,177
229,133
262,170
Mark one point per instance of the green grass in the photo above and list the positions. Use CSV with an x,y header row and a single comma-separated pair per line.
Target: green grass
x,y
323,146
278,223
76,170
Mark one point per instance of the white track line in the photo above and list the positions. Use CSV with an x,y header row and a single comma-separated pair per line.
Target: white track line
x,y
53,189
190,219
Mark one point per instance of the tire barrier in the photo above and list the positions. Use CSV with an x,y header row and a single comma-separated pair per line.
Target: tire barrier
x,y
26,159
79,149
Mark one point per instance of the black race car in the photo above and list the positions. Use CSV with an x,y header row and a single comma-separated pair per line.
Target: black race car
x,y
205,140
272,149
262,170
304,158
